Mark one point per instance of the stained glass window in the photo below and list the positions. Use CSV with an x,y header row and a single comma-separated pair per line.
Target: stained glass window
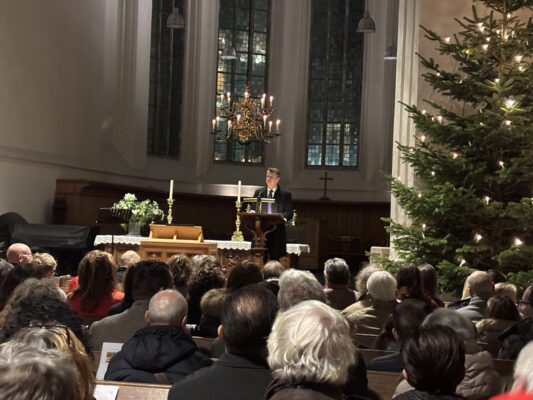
x,y
243,24
335,76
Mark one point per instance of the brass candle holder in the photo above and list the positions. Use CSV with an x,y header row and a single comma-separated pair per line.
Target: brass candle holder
x,y
237,235
169,214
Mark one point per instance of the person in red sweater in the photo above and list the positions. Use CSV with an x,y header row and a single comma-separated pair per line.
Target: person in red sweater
x,y
96,291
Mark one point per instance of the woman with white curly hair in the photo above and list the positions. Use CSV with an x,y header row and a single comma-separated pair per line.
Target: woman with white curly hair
x,y
310,352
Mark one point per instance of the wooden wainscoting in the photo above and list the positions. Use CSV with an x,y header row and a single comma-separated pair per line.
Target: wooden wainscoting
x,y
331,228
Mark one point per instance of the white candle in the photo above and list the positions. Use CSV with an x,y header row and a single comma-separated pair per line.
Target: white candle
x,y
270,126
217,121
171,191
229,97
271,101
277,125
264,120
229,124
239,191
214,123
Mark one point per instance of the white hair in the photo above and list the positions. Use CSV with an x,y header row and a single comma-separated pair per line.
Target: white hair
x,y
382,286
523,369
311,342
167,307
362,277
296,286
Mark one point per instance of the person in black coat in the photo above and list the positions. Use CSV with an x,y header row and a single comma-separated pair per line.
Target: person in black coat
x,y
276,240
242,373
162,352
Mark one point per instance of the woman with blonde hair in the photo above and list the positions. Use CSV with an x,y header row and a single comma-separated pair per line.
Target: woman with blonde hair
x,y
57,337
96,291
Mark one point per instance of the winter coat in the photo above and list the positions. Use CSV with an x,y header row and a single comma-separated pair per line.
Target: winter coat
x,y
489,329
515,338
481,380
370,320
154,350
339,297
476,309
420,395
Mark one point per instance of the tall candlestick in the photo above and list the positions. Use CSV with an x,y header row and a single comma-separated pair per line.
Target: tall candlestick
x,y
171,191
239,191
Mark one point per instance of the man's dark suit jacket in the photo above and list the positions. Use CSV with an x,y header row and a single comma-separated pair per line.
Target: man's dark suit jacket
x,y
276,240
231,377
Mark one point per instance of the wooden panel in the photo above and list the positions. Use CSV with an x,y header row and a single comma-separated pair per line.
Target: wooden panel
x,y
136,391
331,228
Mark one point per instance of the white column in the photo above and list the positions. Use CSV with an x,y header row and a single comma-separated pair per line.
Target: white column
x,y
406,92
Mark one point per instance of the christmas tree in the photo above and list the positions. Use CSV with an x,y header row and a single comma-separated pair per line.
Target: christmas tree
x,y
472,204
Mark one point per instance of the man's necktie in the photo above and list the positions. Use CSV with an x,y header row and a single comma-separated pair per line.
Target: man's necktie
x,y
270,196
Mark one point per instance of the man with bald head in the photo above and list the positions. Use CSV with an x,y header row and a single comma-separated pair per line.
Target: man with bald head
x,y
481,287
162,352
18,253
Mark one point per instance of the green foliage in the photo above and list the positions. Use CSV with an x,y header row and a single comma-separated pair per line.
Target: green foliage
x,y
472,203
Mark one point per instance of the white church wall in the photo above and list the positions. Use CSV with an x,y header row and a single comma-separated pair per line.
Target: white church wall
x,y
74,103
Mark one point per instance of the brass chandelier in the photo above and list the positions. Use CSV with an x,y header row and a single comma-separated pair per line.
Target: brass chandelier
x,y
245,119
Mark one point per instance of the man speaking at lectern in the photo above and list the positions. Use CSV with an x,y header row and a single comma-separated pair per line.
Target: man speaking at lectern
x,y
276,240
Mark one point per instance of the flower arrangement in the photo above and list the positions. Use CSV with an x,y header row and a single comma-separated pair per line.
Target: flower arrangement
x,y
145,212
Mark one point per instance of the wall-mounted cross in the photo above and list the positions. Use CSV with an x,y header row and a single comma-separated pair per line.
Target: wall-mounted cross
x,y
325,179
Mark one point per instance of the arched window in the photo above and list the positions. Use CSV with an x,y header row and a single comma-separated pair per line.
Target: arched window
x,y
335,76
243,24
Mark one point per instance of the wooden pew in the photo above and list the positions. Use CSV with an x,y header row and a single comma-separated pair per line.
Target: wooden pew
x,y
369,354
382,384
136,391
203,344
365,340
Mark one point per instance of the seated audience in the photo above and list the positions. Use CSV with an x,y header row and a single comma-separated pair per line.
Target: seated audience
x,y
517,336
96,291
506,289
361,290
18,253
525,305
205,277
127,288
52,336
406,319
296,286
522,388
38,300
310,353
409,281
272,270
337,279
430,286
481,380
434,364
370,320
242,372
242,274
148,279
181,268
45,263
480,287
5,267
15,277
125,261
39,374
501,315
161,352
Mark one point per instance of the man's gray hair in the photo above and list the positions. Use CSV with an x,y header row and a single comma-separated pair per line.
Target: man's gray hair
x,y
167,307
382,286
479,283
297,286
462,326
311,343
128,258
362,277
523,369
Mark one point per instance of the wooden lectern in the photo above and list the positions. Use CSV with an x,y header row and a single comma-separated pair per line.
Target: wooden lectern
x,y
259,224
167,240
